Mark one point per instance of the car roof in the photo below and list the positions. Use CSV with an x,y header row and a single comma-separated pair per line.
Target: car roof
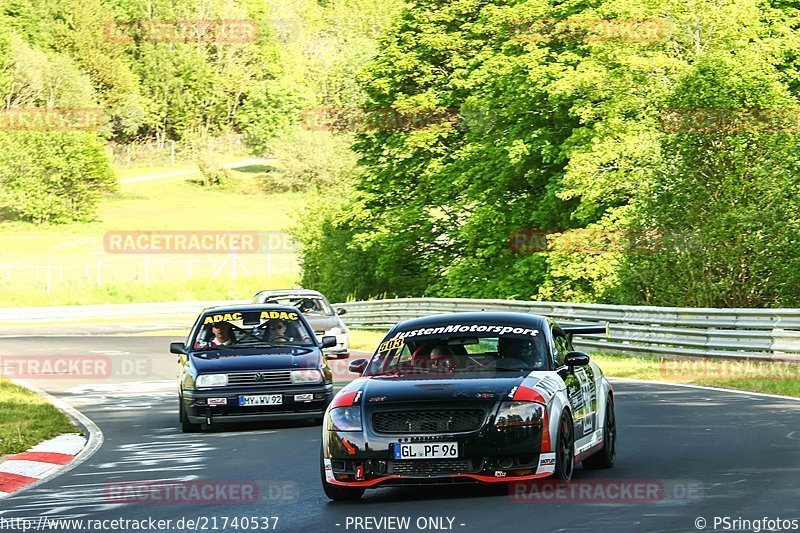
x,y
249,307
484,317
295,292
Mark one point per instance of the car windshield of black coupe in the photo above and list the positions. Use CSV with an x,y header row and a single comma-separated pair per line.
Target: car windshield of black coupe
x,y
462,349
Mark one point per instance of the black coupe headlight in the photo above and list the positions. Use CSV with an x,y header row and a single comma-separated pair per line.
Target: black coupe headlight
x,y
345,418
515,414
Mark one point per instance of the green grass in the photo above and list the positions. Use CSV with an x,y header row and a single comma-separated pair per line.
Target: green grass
x,y
28,419
73,253
364,339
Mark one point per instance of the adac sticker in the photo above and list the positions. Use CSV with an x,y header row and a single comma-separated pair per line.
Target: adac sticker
x,y
227,317
278,314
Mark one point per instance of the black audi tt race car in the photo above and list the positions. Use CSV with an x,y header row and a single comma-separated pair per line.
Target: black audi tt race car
x,y
468,397
251,363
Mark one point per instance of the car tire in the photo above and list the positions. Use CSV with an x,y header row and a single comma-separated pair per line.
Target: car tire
x,y
336,492
604,457
565,449
186,426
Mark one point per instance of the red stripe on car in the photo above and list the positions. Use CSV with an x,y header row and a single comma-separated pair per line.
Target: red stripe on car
x,y
345,400
524,394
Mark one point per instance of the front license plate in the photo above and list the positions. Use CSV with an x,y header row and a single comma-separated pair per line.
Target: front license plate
x,y
425,450
262,399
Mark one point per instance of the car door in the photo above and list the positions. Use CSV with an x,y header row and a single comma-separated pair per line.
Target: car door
x,y
581,388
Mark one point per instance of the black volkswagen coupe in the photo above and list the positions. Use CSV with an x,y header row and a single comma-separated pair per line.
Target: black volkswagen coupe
x,y
251,363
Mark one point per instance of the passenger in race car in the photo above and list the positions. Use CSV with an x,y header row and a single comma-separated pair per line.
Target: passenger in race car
x,y
281,331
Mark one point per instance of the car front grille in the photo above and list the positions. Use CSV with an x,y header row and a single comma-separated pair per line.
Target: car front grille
x,y
274,377
445,421
435,467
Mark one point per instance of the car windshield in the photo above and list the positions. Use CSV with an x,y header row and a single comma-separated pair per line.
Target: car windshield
x,y
251,329
460,349
308,305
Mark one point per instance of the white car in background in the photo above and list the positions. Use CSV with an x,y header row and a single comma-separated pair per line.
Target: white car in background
x,y
319,313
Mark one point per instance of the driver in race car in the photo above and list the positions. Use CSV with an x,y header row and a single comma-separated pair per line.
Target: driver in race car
x,y
222,332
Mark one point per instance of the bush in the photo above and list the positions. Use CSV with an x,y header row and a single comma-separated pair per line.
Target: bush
x,y
54,177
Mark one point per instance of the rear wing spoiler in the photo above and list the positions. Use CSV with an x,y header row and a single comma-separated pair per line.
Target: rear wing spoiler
x,y
587,330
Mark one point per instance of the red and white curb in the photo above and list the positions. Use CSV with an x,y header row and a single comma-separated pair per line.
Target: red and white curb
x,y
52,457
41,461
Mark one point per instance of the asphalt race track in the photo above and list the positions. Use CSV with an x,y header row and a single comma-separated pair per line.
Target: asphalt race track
x,y
712,453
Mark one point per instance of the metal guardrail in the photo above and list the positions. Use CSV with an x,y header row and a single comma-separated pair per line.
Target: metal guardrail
x,y
69,313
764,334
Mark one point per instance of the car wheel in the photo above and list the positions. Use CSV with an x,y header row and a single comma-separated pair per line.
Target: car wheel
x,y
565,449
604,458
335,492
186,426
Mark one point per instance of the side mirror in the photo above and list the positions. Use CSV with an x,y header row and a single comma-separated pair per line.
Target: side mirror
x,y
576,359
357,366
177,347
328,341
341,311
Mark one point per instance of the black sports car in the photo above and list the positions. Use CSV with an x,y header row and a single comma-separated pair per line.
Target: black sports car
x,y
251,363
468,397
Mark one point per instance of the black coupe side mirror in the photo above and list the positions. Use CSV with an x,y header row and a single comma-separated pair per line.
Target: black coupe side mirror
x,y
357,366
177,347
340,311
576,359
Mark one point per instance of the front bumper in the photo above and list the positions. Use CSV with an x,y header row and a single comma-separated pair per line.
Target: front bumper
x,y
199,408
362,459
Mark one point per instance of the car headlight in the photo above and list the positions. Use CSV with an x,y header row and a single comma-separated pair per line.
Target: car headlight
x,y
515,414
212,380
334,331
306,376
345,418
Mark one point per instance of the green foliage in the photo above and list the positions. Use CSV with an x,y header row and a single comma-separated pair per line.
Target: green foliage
x,y
53,177
311,160
572,138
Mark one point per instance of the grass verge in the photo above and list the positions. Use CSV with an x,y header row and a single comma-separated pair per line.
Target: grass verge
x,y
365,339
28,419
69,265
